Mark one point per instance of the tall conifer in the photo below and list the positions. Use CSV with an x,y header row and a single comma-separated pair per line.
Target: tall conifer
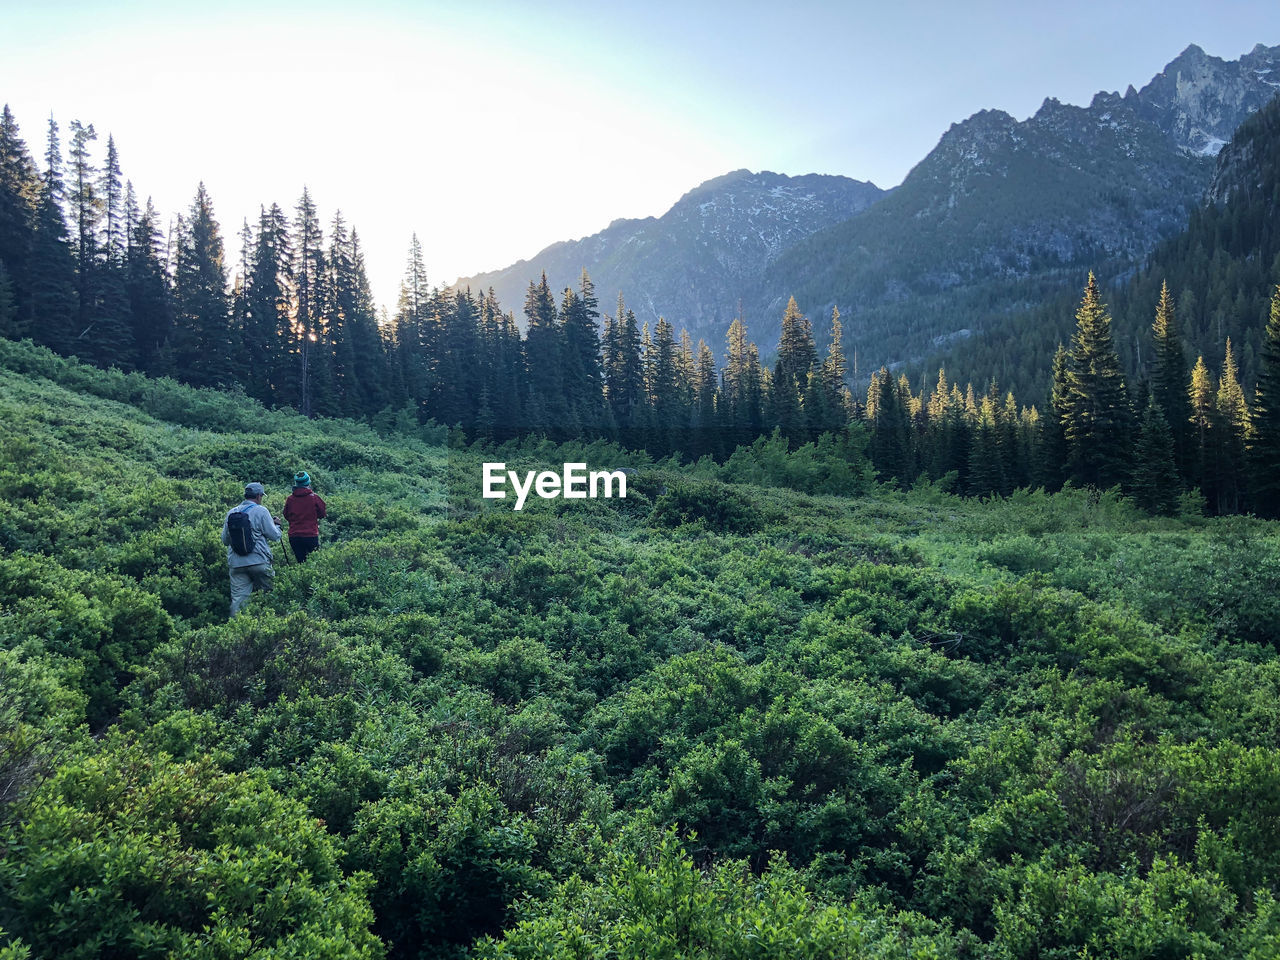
x,y
580,316
625,374
1264,447
1096,421
363,355
1155,479
315,362
706,432
890,446
544,356
52,273
409,326
1200,396
797,357
1233,427
86,211
1169,376
147,287
201,344
19,196
664,389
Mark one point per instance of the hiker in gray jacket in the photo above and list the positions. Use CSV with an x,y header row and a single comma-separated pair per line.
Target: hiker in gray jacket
x,y
252,571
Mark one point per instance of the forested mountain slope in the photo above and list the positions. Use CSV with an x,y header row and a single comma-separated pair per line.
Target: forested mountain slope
x,y
1222,270
716,718
1002,212
1000,215
695,262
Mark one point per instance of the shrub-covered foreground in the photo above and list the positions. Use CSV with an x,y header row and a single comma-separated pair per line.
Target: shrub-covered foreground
x,y
714,719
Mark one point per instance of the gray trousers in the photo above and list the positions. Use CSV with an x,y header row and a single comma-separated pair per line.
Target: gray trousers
x,y
245,580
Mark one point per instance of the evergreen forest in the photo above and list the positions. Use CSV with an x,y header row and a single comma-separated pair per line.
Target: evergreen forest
x,y
292,323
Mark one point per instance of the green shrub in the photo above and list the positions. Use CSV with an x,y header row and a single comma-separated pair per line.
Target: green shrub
x,y
126,853
711,504
662,907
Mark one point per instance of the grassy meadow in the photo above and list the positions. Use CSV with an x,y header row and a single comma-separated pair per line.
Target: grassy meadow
x,y
763,709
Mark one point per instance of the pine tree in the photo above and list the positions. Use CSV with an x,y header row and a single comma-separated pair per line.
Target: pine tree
x,y
742,386
353,316
106,329
267,334
957,439
890,446
1017,469
584,391
132,214
19,198
1169,377
686,373
704,421
544,355
786,405
115,341
940,456
1097,420
797,358
1203,417
147,288
939,399
505,371
646,365
625,375
240,319
987,470
664,386
834,409
1155,478
1233,427
796,351
456,317
52,269
201,343
409,327
1051,467
1264,448
86,212
111,190
315,388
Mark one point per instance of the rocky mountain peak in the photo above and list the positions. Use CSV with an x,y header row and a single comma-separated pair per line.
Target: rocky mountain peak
x,y
1199,99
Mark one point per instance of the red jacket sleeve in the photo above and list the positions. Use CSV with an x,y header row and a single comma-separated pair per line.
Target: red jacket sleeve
x,y
320,507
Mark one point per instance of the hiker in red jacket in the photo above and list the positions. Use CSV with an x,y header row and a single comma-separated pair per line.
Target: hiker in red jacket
x,y
303,511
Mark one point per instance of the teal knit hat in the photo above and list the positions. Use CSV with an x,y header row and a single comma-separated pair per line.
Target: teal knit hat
x,y
301,479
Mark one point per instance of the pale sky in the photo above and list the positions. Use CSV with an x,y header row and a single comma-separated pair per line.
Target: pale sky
x,y
492,129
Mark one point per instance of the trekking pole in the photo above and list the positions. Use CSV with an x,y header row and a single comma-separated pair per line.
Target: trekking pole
x,y
284,548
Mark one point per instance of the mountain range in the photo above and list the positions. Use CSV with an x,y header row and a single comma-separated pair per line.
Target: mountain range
x,y
695,262
998,215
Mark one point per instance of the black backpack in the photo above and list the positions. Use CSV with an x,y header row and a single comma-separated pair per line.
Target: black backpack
x,y
240,532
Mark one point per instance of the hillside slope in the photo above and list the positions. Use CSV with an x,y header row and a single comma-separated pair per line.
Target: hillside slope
x,y
1032,727
695,262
